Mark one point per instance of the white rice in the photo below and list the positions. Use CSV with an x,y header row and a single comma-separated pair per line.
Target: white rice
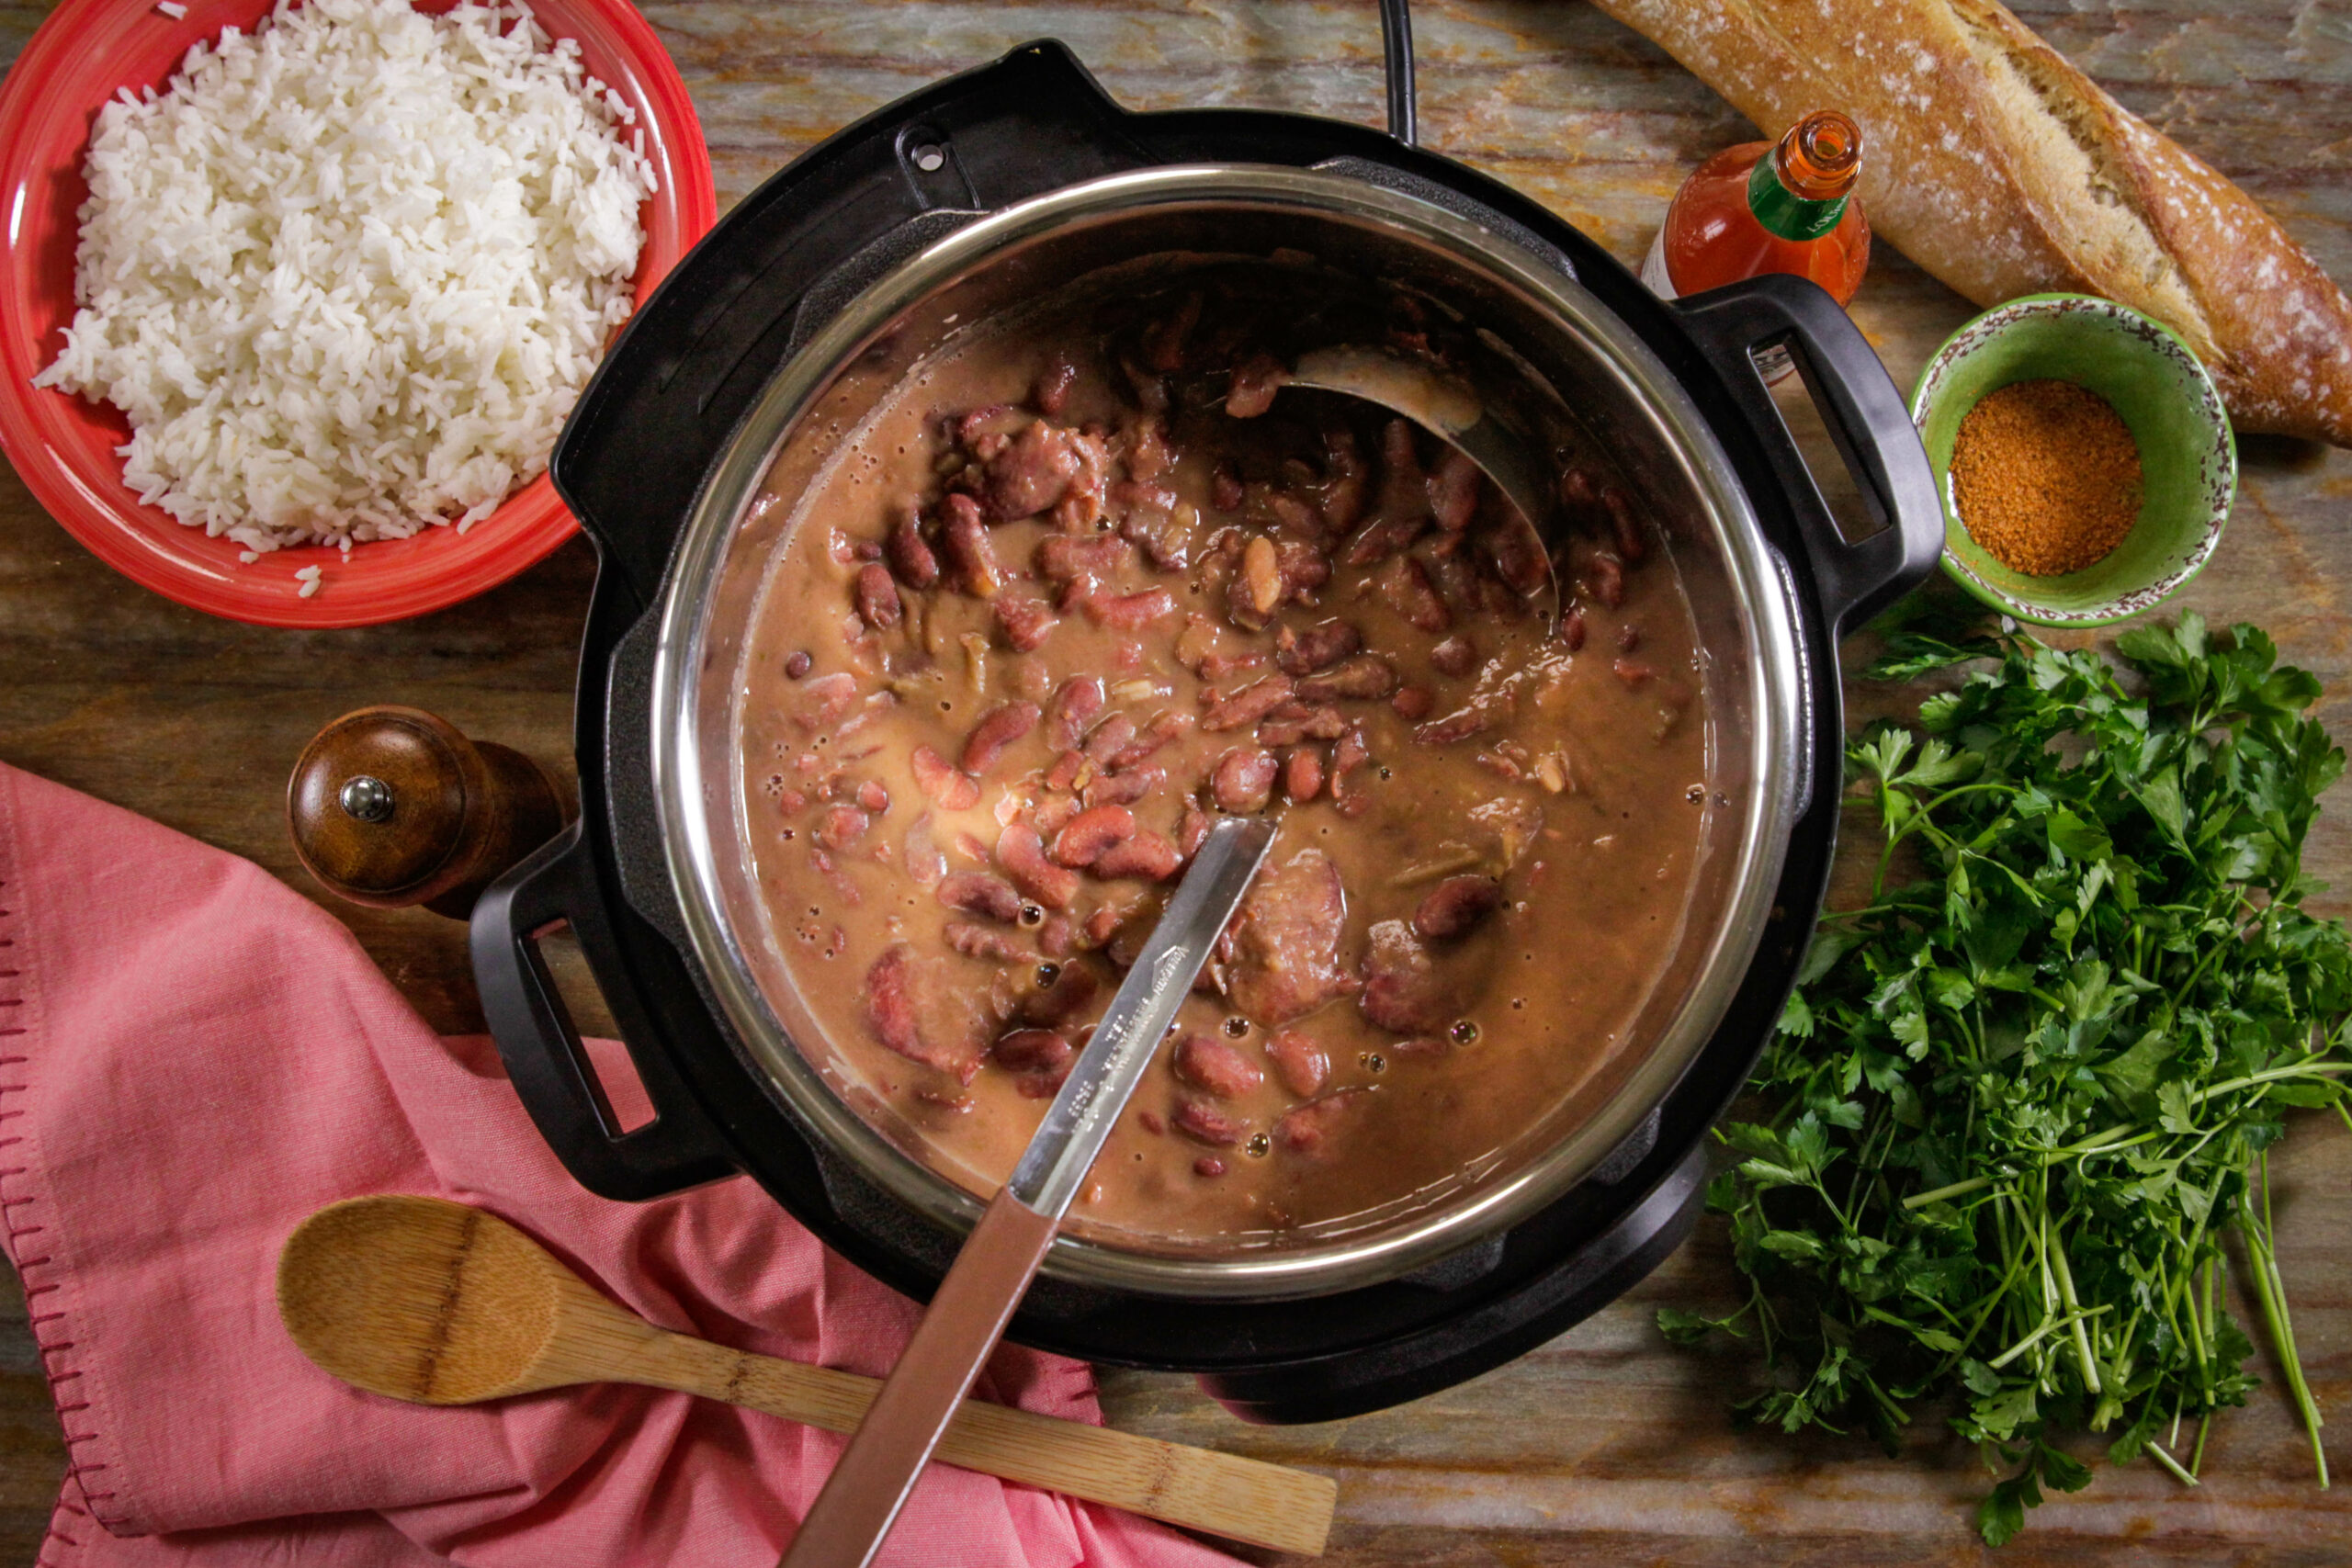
x,y
348,274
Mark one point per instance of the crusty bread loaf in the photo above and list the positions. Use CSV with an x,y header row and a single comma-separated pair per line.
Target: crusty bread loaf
x,y
2003,170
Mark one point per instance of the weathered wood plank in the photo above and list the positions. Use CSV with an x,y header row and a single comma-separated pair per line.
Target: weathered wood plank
x,y
1605,1445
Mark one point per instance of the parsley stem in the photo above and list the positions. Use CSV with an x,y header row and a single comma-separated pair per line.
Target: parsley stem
x,y
2067,1293
1921,1199
2173,1464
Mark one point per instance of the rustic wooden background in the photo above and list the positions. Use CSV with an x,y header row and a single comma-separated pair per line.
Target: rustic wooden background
x,y
1606,1446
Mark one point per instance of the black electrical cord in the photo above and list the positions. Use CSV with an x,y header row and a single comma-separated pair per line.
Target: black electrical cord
x,y
1397,43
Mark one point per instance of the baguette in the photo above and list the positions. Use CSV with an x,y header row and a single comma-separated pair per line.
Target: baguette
x,y
2001,169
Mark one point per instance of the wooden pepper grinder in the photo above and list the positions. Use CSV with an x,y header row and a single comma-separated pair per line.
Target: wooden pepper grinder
x,y
393,806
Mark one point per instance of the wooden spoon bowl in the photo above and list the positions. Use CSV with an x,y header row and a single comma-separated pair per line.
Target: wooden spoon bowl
x,y
436,1303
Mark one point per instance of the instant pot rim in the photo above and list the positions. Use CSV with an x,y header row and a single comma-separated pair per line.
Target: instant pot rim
x,y
681,784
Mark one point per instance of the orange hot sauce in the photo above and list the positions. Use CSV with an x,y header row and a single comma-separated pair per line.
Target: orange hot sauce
x,y
1742,214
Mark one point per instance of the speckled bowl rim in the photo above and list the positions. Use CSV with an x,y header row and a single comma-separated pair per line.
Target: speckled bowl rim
x,y
2161,339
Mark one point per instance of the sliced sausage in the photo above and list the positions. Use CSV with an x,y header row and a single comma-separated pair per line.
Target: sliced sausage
x,y
1299,1062
1456,907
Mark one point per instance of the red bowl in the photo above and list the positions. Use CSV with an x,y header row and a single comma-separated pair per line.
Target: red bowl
x,y
64,446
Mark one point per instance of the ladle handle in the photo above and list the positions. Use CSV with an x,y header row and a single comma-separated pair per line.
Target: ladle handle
x,y
1867,420
542,1050
966,1316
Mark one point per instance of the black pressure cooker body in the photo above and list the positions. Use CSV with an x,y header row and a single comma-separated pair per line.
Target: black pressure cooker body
x,y
664,407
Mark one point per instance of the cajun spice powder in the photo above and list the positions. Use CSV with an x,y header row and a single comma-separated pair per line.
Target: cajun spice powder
x,y
2046,477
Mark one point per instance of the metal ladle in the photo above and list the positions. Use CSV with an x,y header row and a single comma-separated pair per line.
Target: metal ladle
x,y
1455,415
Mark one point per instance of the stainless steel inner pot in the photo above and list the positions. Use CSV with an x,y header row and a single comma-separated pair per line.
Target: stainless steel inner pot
x,y
1576,356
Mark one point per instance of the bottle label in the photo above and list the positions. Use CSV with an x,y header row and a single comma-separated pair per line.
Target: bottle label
x,y
1653,274
1785,213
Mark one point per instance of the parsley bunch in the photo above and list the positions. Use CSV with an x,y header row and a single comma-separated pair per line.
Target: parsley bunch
x,y
2017,1100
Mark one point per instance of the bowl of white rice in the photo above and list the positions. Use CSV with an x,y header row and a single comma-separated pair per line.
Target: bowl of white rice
x,y
301,295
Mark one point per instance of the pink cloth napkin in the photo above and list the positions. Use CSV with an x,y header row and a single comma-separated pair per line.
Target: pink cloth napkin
x,y
193,1058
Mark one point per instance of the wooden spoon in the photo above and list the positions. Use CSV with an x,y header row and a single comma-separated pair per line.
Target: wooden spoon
x,y
443,1303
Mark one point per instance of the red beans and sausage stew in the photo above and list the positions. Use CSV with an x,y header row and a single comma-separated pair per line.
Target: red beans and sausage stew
x,y
1086,578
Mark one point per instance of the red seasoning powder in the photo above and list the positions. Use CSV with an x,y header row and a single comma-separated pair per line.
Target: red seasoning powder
x,y
2046,477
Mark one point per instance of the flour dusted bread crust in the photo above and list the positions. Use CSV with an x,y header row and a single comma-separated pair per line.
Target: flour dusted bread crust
x,y
2003,170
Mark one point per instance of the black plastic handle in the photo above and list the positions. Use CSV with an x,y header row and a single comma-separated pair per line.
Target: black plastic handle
x,y
679,1149
1867,420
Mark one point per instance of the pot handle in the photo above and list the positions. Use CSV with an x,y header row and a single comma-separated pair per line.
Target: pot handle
x,y
550,1067
1867,420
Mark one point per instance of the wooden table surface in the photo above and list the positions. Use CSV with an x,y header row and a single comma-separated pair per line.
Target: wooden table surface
x,y
1606,1445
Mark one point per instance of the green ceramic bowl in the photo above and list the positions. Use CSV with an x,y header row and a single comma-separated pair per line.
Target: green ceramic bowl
x,y
2187,461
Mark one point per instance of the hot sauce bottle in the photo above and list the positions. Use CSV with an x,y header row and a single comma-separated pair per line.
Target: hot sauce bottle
x,y
1762,208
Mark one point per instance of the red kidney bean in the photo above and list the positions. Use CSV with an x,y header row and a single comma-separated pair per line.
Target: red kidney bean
x,y
1255,381
1064,775
1027,620
872,796
1090,834
1146,856
978,893
1247,705
1243,781
1123,788
1455,906
1633,672
1057,936
795,664
966,536
911,559
1453,491
1316,648
1380,539
1225,490
1608,578
877,594
1302,774
999,729
1073,708
1023,855
1405,584
1579,490
1308,1129
1629,638
1192,831
1163,342
924,864
1163,729
1051,389
1130,612
1033,1051
1298,1061
1413,704
1572,628
1293,515
978,941
1053,814
1364,676
1110,738
1518,559
1627,527
1208,1166
1199,1119
1350,755
1456,656
841,826
1404,490
1207,1062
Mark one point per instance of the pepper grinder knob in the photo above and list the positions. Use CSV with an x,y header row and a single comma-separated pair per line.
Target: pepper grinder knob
x,y
393,805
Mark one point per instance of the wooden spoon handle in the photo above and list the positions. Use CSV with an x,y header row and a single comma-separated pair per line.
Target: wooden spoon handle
x,y
1242,1499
